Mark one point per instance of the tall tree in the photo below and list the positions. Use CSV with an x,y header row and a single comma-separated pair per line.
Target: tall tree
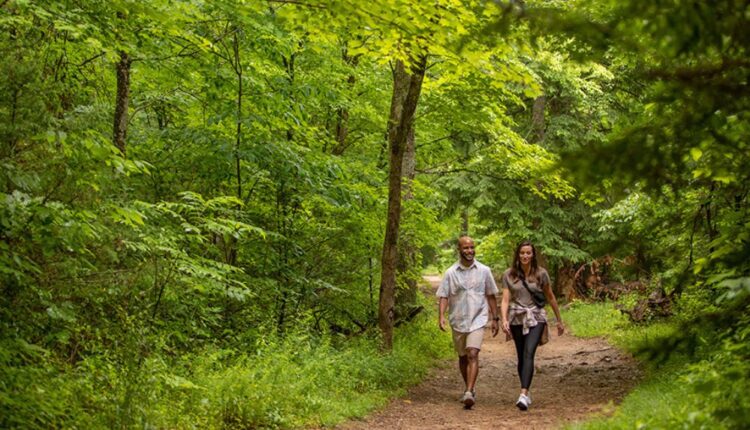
x,y
122,101
407,86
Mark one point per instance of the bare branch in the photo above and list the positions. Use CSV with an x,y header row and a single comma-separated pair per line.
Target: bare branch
x,y
699,73
450,171
299,3
90,59
450,136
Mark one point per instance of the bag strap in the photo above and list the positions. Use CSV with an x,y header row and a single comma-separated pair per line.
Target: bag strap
x,y
523,280
522,277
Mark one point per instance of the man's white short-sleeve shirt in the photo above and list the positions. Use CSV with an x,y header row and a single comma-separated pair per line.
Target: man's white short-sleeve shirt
x,y
466,289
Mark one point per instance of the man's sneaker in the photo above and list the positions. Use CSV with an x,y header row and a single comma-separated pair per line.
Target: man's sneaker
x,y
523,402
468,399
473,393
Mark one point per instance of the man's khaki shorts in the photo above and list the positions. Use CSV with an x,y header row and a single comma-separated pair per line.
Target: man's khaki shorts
x,y
461,341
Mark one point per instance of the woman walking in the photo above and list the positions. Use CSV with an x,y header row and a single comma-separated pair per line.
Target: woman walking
x,y
523,314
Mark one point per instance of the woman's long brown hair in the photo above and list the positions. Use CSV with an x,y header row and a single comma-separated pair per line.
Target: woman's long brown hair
x,y
516,270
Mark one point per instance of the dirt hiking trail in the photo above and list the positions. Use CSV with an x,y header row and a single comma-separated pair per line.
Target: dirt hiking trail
x,y
574,379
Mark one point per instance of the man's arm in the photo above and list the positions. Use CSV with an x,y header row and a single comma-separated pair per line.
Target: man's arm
x,y
441,312
492,302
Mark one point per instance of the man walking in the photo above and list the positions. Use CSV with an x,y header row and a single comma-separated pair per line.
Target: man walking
x,y
468,293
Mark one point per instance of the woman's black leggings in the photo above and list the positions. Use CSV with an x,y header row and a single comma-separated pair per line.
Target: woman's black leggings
x,y
526,348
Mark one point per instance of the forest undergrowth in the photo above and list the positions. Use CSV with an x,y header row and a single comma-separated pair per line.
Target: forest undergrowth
x,y
298,380
214,213
702,388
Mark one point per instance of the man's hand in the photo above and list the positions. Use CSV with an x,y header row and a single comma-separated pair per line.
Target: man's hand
x,y
495,327
442,308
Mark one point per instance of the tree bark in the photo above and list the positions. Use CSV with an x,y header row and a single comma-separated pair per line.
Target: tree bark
x,y
710,227
289,67
342,121
231,250
342,130
122,101
406,294
282,210
537,119
407,86
238,120
409,164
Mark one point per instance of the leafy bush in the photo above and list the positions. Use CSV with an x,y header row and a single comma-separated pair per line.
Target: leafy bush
x,y
278,383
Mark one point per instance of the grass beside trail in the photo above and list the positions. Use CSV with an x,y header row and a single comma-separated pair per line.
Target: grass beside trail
x,y
301,380
679,392
603,320
293,385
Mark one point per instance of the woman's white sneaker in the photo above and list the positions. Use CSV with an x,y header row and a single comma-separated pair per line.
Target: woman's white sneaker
x,y
523,402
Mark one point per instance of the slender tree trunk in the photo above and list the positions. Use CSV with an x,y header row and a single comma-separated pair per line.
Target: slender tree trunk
x,y
710,228
238,119
342,131
371,279
231,243
537,119
281,227
282,211
342,122
122,101
289,66
407,86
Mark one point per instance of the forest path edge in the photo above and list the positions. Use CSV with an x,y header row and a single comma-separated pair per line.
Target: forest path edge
x,y
575,379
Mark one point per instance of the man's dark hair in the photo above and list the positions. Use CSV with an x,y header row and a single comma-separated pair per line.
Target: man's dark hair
x,y
458,241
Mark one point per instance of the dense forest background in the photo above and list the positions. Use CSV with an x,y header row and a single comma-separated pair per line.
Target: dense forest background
x,y
216,213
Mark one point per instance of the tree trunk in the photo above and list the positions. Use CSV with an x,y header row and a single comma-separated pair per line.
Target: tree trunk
x,y
121,103
406,295
409,164
342,130
231,243
283,255
710,227
282,212
289,67
342,121
537,119
407,86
